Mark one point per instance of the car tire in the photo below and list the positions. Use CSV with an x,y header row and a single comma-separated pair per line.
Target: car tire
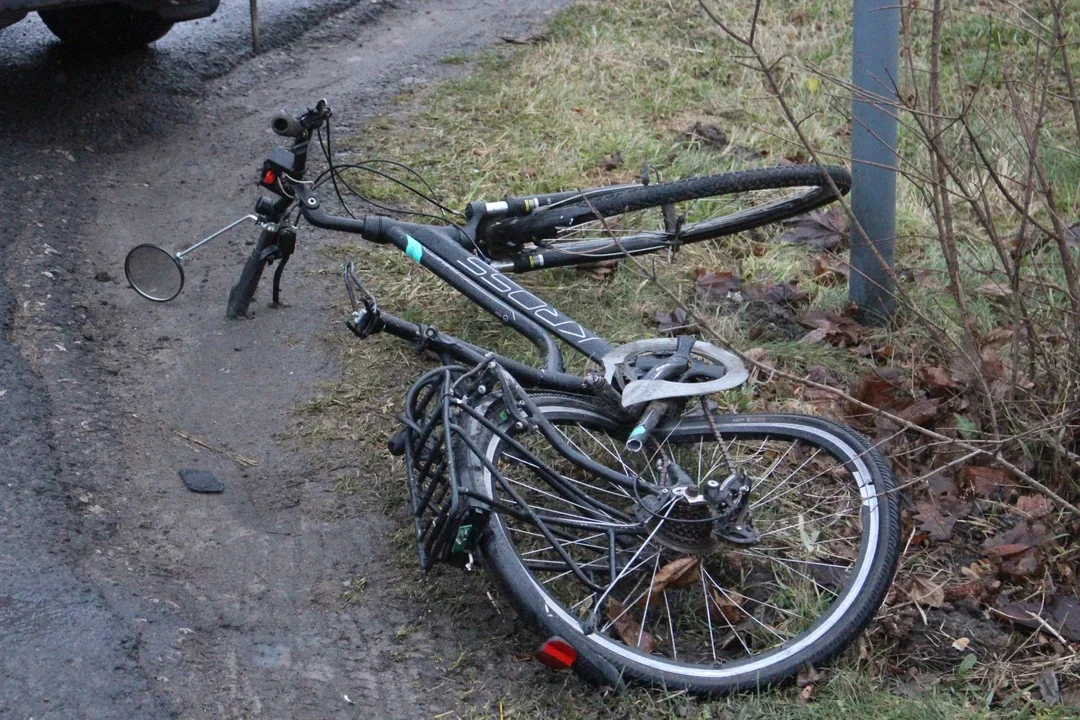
x,y
108,28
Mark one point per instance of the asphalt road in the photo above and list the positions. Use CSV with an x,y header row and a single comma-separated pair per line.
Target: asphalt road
x,y
122,595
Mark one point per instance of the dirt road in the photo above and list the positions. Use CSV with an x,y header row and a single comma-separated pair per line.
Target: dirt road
x,y
122,594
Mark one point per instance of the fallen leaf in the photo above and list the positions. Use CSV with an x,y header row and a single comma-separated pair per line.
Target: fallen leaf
x,y
600,270
676,322
716,285
828,271
883,389
629,628
920,412
932,521
1061,613
709,135
810,676
787,294
961,643
987,482
818,229
677,573
937,381
1015,541
840,330
613,161
730,605
994,290
925,592
1049,687
1034,506
525,39
814,337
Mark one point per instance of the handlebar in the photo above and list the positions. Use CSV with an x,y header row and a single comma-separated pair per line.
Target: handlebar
x,y
286,124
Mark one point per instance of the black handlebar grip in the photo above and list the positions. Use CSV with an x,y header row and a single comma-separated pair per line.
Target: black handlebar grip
x,y
240,296
285,124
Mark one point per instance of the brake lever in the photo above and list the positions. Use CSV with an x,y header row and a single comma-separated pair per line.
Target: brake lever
x,y
366,321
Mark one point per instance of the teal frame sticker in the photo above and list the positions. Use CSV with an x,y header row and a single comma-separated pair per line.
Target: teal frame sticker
x,y
413,248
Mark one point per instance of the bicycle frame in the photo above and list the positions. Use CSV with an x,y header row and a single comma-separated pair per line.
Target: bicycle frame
x,y
443,251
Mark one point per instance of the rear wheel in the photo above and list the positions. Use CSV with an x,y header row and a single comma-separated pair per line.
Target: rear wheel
x,y
656,589
688,210
110,27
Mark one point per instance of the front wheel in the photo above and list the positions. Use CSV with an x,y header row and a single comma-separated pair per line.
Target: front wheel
x,y
656,589
110,27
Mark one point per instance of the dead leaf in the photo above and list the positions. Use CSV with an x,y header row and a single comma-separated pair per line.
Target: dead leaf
x,y
676,322
920,412
716,285
810,676
629,628
613,161
883,389
1016,540
787,294
987,482
961,643
709,135
994,290
814,337
818,229
676,574
730,605
1049,687
829,271
930,520
925,592
600,270
937,381
1062,613
1034,506
526,39
840,330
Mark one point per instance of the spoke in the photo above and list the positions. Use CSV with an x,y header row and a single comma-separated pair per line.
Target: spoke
x,y
784,481
744,610
583,542
567,572
776,463
671,627
554,496
783,561
708,619
648,599
567,478
789,527
626,602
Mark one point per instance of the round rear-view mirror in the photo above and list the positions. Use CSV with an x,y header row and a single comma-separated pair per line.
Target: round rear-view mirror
x,y
155,274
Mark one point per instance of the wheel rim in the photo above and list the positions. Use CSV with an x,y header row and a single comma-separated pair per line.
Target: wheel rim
x,y
711,614
703,217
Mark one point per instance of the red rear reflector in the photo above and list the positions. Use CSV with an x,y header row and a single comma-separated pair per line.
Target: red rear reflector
x,y
557,654
269,177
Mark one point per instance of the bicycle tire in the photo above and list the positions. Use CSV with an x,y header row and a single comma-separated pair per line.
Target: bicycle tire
x,y
545,223
244,291
862,593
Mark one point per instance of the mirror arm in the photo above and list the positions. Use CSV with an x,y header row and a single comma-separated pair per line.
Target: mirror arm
x,y
225,229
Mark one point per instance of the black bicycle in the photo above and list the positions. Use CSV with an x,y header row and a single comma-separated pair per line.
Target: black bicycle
x,y
649,537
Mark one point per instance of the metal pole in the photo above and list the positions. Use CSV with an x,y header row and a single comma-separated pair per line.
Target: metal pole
x,y
875,56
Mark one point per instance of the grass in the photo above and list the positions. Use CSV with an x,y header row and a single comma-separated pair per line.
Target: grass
x,y
633,77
